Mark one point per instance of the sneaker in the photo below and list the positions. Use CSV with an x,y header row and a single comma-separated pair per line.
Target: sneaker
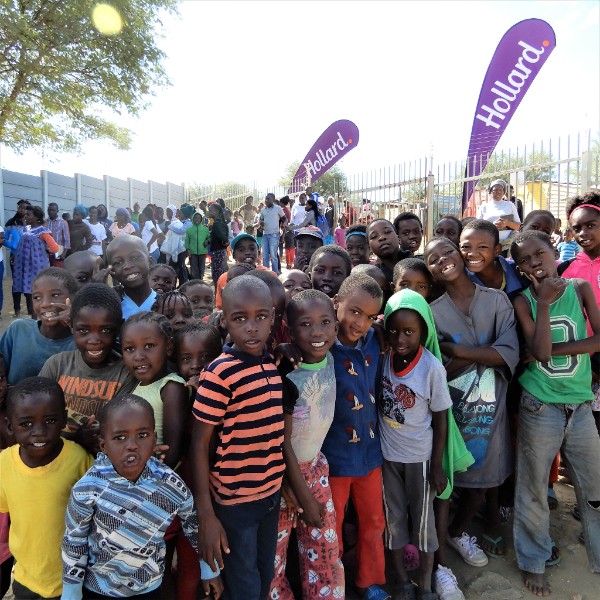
x,y
445,584
469,550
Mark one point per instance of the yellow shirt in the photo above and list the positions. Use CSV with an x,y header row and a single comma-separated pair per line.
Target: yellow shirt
x,y
37,501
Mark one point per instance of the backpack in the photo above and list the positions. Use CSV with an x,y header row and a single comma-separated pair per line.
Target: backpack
x,y
323,225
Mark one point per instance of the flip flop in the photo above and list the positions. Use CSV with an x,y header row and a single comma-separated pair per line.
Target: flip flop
x,y
555,557
497,543
376,592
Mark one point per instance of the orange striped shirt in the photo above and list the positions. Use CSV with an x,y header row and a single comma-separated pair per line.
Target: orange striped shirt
x,y
241,395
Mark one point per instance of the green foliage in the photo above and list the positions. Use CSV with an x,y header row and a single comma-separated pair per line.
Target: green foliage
x,y
59,76
536,163
332,183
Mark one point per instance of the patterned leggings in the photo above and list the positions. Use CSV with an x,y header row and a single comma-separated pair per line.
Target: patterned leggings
x,y
321,569
218,265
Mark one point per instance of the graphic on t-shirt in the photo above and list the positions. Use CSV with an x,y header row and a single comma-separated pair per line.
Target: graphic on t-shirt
x,y
395,402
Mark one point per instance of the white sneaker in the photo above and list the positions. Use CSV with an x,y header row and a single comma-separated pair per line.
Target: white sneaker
x,y
469,550
445,584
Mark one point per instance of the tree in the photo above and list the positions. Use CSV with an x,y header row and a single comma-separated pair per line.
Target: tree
x,y
329,184
60,75
535,166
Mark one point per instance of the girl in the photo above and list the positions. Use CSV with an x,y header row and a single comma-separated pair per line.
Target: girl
x,y
201,297
162,278
412,274
31,256
310,217
328,267
80,233
237,225
122,225
478,339
98,232
27,343
176,306
449,227
339,236
219,240
152,236
357,245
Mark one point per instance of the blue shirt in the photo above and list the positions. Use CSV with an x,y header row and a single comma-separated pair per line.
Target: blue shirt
x,y
515,283
115,529
129,307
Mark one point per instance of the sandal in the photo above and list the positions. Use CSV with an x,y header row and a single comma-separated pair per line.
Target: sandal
x,y
552,499
405,591
554,557
376,592
494,547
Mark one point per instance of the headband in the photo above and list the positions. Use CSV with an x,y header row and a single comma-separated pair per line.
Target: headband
x,y
356,233
594,206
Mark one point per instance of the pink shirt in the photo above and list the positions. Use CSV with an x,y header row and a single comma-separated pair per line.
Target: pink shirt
x,y
583,267
339,237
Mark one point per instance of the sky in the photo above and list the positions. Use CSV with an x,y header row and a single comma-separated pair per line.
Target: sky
x,y
255,83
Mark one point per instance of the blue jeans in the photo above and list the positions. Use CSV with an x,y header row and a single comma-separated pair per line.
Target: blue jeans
x,y
251,529
270,246
544,429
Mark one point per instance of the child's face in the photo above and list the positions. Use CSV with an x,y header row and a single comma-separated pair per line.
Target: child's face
x,y
585,223
295,281
201,298
93,215
129,262
195,350
162,281
128,439
48,296
410,234
178,313
30,218
383,239
81,265
145,351
36,421
568,235
535,258
77,217
94,332
444,261
541,223
248,320
197,219
328,273
305,248
448,229
358,249
246,251
314,330
404,331
478,249
411,279
356,314
213,211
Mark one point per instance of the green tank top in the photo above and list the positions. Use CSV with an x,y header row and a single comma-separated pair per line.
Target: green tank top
x,y
563,379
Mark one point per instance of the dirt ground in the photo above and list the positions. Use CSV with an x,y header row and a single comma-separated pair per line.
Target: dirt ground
x,y
500,579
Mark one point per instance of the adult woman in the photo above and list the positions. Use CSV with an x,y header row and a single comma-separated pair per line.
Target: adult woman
x,y
219,240
122,224
310,217
103,218
501,212
32,255
151,234
79,231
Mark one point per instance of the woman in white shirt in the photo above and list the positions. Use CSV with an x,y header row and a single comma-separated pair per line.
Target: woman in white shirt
x,y
500,211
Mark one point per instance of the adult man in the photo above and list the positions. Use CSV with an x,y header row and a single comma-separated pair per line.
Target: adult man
x,y
271,217
248,212
59,229
517,202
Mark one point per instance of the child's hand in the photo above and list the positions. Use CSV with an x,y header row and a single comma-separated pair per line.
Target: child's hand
x,y
293,506
289,351
437,478
211,540
101,275
193,382
380,336
549,289
216,584
88,435
63,313
313,514
160,451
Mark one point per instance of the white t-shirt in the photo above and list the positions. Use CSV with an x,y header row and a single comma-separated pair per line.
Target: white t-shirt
x,y
98,235
147,236
492,211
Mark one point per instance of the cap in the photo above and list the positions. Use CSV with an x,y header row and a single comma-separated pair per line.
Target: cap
x,y
312,231
241,236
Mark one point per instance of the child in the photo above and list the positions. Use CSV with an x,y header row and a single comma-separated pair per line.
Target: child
x,y
79,231
384,243
339,236
279,330
328,267
290,251
413,426
129,263
196,345
294,281
352,446
568,248
306,240
147,341
556,236
98,232
240,401
412,274
162,278
555,405
410,231
119,512
196,243
219,241
36,476
93,373
449,227
357,245
539,220
309,404
476,327
201,297
27,343
481,250
376,273
176,306
83,265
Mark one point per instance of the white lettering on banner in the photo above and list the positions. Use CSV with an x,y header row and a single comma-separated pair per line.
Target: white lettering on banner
x,y
516,78
322,159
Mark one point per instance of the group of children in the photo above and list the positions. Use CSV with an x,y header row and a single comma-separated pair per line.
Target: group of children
x,y
182,444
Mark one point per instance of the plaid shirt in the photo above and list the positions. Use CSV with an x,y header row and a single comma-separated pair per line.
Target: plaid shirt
x,y
59,229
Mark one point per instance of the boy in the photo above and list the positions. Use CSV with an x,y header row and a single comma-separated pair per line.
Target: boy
x,y
36,476
383,241
83,265
113,545
129,265
98,232
196,243
555,411
410,231
240,400
201,296
306,240
413,425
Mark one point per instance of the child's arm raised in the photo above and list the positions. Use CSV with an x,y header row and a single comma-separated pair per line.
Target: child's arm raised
x,y
175,412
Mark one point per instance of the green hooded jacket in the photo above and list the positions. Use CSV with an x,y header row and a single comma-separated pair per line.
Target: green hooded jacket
x,y
196,237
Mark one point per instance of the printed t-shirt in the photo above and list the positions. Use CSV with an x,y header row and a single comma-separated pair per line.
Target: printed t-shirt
x,y
98,236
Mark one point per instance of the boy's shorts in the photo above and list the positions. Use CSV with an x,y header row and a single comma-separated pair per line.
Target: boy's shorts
x,y
406,485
